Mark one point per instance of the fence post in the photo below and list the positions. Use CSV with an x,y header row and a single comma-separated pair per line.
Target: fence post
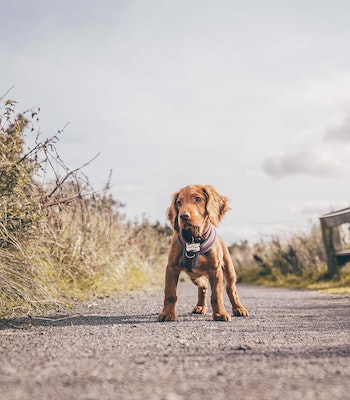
x,y
327,234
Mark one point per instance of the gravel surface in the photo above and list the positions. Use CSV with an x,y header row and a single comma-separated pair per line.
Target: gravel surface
x,y
294,345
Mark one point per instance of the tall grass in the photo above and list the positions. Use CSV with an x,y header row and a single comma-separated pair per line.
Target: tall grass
x,y
59,239
298,261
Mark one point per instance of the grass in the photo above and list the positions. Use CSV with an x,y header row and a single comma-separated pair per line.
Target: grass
x,y
337,285
297,262
319,282
60,240
77,258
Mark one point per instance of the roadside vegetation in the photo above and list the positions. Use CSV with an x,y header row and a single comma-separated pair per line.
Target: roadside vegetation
x,y
62,241
296,262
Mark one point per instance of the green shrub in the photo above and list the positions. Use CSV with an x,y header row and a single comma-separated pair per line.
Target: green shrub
x,y
20,204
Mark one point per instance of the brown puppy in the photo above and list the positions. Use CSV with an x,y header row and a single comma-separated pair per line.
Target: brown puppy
x,y
194,213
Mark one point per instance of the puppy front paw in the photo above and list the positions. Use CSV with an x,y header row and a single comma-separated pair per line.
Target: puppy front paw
x,y
167,316
221,316
240,312
200,310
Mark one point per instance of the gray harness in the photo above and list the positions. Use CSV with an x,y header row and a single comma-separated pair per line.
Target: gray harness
x,y
192,246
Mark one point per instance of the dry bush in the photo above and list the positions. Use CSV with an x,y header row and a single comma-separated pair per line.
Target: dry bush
x,y
59,239
299,259
96,250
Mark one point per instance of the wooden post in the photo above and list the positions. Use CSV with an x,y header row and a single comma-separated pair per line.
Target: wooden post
x,y
327,234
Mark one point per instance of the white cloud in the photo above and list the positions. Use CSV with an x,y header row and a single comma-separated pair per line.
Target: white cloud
x,y
339,132
317,208
324,154
318,161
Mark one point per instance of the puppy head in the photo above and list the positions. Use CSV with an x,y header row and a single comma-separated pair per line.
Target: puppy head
x,y
194,206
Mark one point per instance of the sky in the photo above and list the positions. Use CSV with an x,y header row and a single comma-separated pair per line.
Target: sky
x,y
252,97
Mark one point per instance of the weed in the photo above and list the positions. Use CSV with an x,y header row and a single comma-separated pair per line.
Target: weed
x,y
298,261
60,240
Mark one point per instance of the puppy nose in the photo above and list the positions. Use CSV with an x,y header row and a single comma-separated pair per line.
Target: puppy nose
x,y
185,216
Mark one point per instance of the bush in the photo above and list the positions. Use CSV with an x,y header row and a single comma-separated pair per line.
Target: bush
x,y
18,209
299,259
59,239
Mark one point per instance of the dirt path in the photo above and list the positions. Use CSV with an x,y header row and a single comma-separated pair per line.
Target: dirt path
x,y
294,345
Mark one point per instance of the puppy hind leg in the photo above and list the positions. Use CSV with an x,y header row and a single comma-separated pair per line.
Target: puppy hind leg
x,y
217,299
202,284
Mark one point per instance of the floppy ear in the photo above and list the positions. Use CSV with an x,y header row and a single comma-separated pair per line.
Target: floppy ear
x,y
217,204
173,212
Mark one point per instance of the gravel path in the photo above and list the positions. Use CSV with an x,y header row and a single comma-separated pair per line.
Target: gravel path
x,y
294,345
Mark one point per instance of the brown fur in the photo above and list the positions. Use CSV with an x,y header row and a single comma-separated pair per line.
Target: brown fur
x,y
201,206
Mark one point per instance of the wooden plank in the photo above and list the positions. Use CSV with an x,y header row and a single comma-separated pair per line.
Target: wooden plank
x,y
337,218
343,253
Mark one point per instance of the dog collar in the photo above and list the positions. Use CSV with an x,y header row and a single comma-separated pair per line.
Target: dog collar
x,y
192,246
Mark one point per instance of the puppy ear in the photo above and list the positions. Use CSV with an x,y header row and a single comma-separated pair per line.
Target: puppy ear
x,y
173,212
217,204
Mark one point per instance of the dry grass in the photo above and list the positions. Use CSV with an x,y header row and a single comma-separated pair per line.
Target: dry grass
x,y
61,241
79,249
298,262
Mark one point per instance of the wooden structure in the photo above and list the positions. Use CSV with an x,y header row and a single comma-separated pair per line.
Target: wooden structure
x,y
336,236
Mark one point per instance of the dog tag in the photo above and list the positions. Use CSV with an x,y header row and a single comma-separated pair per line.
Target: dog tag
x,y
194,247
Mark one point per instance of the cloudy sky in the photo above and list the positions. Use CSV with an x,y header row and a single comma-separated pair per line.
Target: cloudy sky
x,y
252,97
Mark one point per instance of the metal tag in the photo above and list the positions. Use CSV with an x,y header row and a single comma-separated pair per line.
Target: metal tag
x,y
194,247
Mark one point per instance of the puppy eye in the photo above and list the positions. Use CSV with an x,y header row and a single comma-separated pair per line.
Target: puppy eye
x,y
179,203
197,199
